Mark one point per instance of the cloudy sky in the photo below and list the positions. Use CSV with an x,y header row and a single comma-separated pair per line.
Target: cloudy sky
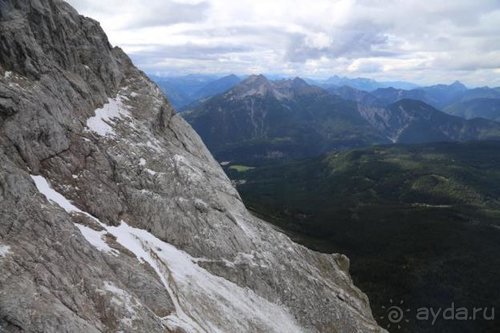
x,y
415,40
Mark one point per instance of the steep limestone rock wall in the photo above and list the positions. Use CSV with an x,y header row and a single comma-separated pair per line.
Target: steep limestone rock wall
x,y
114,216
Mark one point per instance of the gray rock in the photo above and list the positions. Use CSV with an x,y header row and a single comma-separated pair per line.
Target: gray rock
x,y
160,240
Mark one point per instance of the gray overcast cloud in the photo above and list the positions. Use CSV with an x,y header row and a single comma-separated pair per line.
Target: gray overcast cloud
x,y
415,40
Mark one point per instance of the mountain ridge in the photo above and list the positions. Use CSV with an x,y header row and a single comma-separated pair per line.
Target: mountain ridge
x,y
413,121
260,120
364,84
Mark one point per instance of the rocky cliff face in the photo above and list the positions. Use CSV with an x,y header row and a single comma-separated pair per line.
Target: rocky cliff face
x,y
114,216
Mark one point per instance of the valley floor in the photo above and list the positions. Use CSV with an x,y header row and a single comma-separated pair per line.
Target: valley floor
x,y
419,223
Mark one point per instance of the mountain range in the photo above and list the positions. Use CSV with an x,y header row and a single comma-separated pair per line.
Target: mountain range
x,y
438,96
185,92
413,121
261,120
362,83
455,99
116,217
413,200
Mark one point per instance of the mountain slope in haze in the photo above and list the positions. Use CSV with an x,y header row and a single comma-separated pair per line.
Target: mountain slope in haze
x,y
438,96
216,87
179,89
364,83
441,95
261,119
356,95
487,108
115,217
185,90
426,216
454,99
413,121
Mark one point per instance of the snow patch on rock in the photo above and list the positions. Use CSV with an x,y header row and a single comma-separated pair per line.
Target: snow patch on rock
x,y
44,187
104,117
4,250
204,302
95,238
136,241
223,303
92,236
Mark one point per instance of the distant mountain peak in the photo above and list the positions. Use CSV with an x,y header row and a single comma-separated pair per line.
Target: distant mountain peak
x,y
459,85
285,89
297,81
255,79
254,85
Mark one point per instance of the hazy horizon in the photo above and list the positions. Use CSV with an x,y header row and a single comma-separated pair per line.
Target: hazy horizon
x,y
414,41
277,76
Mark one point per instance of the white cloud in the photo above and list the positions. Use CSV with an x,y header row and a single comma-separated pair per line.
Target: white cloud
x,y
416,40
